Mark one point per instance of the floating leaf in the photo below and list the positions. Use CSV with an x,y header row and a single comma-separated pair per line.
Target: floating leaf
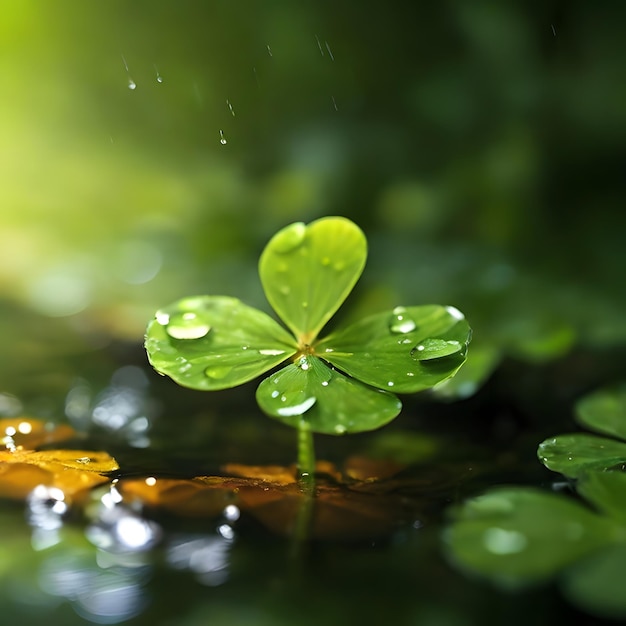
x,y
330,402
215,342
189,497
71,471
517,536
28,433
308,271
575,454
604,411
407,350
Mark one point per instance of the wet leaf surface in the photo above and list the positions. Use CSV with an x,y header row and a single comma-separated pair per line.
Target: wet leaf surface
x,y
307,271
71,471
405,350
575,454
215,342
28,433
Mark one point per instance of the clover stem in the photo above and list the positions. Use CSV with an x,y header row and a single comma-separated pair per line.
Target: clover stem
x,y
306,454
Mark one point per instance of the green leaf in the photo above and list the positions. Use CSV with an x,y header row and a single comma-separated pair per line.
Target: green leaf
x,y
596,584
308,271
330,402
604,411
215,342
518,535
406,350
480,365
606,491
574,455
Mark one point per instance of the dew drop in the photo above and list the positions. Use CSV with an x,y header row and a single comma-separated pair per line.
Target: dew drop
x,y
163,318
435,349
217,372
400,322
303,363
297,409
289,238
325,383
84,460
187,326
390,383
275,393
269,352
340,429
151,481
455,313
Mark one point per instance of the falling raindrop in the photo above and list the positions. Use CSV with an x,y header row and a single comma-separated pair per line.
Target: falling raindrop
x,y
159,78
230,107
222,138
269,50
132,85
330,54
319,45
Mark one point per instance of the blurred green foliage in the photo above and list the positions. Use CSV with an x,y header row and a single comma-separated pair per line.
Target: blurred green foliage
x,y
479,142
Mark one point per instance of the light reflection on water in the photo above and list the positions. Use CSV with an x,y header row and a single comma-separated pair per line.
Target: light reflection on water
x,y
123,407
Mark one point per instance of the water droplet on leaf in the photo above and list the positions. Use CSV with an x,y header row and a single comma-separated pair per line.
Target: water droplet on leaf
x,y
455,313
435,349
340,429
218,372
187,326
400,322
297,409
269,352
289,238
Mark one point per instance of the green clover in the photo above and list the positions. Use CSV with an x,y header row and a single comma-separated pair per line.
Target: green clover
x,y
343,383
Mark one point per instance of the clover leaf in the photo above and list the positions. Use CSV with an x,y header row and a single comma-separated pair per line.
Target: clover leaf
x,y
521,536
339,384
573,455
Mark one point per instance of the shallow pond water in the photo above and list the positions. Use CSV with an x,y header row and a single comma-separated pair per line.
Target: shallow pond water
x,y
202,520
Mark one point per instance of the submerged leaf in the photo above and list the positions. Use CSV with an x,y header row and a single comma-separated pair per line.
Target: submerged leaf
x,y
215,342
575,454
307,271
328,401
407,350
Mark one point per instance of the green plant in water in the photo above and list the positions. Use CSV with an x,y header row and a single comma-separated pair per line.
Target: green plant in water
x,y
520,536
343,383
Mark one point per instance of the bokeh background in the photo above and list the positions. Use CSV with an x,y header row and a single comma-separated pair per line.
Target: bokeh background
x,y
150,149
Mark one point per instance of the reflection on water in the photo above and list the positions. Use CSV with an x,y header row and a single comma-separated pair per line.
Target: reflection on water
x,y
103,596
117,528
123,407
